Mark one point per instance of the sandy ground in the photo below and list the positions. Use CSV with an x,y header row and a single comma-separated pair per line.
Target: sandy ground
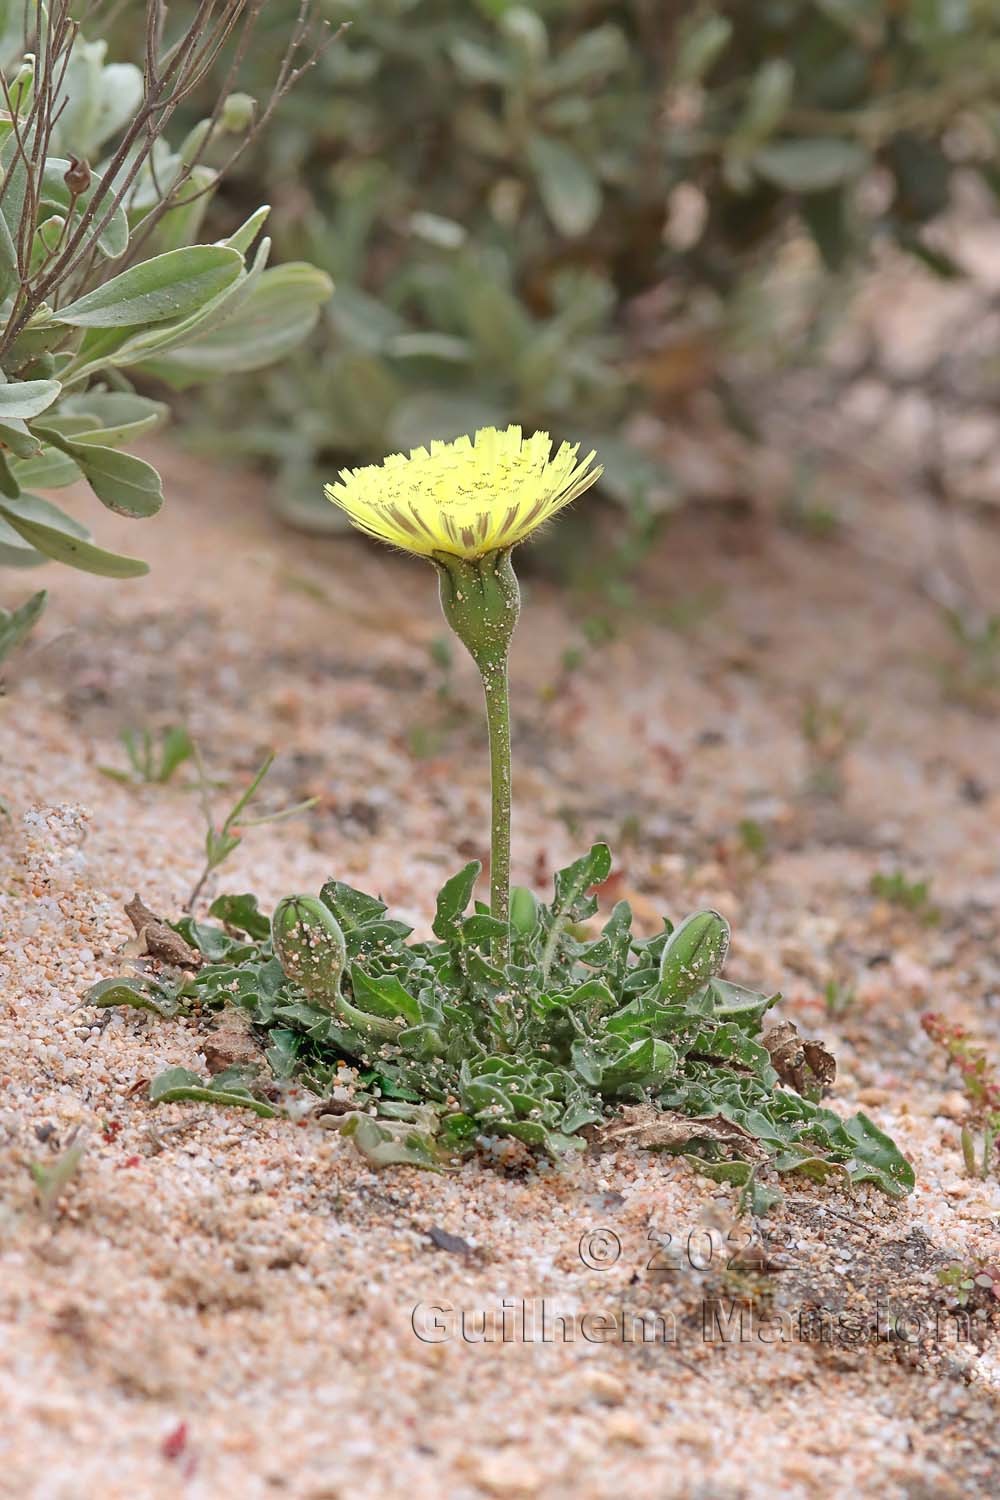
x,y
222,1305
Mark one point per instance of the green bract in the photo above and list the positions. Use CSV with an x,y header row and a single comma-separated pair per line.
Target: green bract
x,y
457,1050
99,280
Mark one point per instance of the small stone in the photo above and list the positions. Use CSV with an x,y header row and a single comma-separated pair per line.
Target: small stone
x,y
874,1096
231,1044
693,1435
954,1106
625,1427
606,1388
506,1474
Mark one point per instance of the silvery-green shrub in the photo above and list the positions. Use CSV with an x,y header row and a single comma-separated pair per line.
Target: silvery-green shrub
x,y
105,283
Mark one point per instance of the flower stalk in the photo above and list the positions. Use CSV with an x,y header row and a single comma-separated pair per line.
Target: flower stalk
x,y
464,506
481,602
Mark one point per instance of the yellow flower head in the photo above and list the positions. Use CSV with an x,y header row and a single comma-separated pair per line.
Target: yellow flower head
x,y
467,498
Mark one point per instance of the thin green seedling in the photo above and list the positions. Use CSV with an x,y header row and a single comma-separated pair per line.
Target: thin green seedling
x,y
829,730
153,759
973,677
52,1179
838,998
911,895
222,839
978,1165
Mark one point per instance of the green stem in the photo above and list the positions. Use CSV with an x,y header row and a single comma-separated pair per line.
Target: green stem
x,y
496,690
481,601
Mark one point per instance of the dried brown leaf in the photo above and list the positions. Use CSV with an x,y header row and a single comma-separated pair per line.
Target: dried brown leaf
x,y
155,938
798,1062
663,1130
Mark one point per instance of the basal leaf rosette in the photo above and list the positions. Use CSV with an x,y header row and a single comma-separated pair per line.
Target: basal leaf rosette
x,y
467,498
424,1051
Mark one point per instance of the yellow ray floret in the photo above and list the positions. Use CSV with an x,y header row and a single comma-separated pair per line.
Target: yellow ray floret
x,y
466,498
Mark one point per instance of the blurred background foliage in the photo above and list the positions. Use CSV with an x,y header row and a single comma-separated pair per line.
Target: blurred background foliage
x,y
563,213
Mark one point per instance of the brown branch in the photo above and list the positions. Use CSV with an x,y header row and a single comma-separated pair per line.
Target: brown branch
x,y
289,74
169,78
151,105
172,196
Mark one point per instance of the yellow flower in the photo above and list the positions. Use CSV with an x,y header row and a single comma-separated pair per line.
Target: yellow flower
x,y
467,498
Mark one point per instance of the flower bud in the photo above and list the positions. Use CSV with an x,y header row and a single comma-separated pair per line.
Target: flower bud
x,y
310,947
238,112
77,176
694,953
